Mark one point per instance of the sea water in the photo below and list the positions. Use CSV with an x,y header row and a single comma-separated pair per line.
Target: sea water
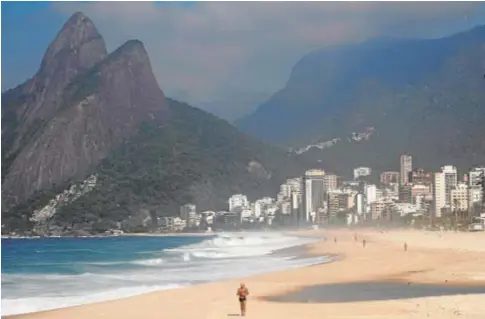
x,y
48,273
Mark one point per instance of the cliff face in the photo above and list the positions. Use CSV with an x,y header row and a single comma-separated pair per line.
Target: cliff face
x,y
76,48
81,104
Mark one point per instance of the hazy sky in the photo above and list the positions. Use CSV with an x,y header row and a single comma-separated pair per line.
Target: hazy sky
x,y
226,57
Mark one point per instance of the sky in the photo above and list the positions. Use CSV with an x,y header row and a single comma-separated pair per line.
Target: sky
x,y
224,57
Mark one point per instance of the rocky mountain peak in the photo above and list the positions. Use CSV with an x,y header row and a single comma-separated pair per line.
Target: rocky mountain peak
x,y
131,51
80,106
79,37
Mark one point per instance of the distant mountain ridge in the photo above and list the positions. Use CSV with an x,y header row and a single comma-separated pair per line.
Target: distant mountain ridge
x,y
409,90
89,113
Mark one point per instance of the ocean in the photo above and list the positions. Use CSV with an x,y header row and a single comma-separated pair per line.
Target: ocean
x,y
48,273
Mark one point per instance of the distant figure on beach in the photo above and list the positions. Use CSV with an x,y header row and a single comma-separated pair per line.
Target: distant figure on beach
x,y
405,246
335,239
363,243
355,237
243,293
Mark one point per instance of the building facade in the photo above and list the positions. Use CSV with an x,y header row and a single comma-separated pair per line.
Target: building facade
x,y
238,201
459,198
387,178
451,180
439,194
314,193
406,165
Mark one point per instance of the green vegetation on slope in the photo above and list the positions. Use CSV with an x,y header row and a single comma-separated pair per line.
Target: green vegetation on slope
x,y
193,157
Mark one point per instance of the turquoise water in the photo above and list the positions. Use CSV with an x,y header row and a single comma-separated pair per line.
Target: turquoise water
x,y
48,273
72,256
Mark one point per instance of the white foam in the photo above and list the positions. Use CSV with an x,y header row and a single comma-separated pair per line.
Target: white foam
x,y
149,262
34,304
221,257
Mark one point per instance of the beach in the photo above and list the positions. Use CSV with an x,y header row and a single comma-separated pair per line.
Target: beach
x,y
432,258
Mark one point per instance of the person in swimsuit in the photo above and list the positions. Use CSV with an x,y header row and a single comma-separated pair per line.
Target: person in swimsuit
x,y
243,293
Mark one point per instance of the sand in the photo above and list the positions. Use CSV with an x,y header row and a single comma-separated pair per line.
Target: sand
x,y
432,258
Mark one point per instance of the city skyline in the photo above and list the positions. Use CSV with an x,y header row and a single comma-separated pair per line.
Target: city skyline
x,y
318,198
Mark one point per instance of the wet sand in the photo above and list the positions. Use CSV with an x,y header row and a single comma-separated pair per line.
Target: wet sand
x,y
443,259
372,291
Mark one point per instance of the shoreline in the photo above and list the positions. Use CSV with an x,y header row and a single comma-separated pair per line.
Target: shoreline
x,y
116,235
430,259
297,252
168,234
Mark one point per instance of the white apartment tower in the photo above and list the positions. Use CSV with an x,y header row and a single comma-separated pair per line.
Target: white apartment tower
x,y
406,162
360,204
451,180
439,193
370,192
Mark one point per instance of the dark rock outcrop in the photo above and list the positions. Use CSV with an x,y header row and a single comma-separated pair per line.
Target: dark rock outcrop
x,y
26,108
79,106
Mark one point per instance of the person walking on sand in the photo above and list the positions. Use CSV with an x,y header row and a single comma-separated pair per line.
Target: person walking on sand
x,y
363,243
243,293
405,246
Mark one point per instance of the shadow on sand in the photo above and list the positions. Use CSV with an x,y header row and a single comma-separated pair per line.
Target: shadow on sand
x,y
373,291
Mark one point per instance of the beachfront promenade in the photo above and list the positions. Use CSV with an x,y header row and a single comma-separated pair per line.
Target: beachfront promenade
x,y
446,259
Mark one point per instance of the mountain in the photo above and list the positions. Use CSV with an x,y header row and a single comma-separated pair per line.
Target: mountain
x,y
79,105
107,123
77,47
420,96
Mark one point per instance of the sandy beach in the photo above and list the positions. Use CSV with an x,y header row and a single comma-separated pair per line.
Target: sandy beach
x,y
447,259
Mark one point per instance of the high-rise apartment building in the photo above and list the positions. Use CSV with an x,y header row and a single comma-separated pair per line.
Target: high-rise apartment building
x,y
330,182
370,192
189,214
339,200
475,175
359,202
406,162
439,193
475,196
314,193
451,180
